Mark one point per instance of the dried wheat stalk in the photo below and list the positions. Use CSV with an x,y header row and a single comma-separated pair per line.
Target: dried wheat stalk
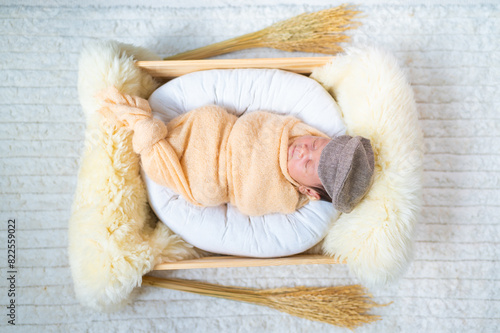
x,y
318,32
344,306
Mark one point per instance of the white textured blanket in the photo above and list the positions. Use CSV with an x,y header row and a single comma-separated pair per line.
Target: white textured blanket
x,y
449,49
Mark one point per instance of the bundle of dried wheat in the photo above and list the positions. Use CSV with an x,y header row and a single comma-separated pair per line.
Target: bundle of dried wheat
x,y
318,32
344,306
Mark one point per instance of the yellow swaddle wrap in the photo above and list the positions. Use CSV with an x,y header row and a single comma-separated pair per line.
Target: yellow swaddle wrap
x,y
212,157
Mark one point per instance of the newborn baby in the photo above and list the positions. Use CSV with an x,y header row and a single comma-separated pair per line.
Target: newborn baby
x,y
260,162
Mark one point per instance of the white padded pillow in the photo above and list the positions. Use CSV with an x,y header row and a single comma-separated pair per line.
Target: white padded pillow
x,y
224,229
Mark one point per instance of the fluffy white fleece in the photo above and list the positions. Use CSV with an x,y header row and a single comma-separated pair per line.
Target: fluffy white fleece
x,y
114,238
378,103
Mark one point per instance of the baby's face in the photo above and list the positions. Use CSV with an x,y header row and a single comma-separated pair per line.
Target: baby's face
x,y
303,159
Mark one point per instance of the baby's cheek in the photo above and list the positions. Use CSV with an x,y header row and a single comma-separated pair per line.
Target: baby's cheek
x,y
292,170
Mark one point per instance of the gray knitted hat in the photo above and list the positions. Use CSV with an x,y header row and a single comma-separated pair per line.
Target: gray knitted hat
x,y
346,170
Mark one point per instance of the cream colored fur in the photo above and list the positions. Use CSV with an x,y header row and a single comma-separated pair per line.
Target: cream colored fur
x,y
378,103
114,238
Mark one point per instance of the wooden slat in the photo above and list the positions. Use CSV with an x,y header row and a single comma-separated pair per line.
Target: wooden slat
x,y
231,261
173,68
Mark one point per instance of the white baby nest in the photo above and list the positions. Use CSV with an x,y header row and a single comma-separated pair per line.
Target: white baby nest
x,y
224,229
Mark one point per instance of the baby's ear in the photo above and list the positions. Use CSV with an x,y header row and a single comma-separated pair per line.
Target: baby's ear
x,y
311,193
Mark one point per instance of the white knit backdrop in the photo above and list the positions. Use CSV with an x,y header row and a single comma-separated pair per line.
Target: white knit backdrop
x,y
450,50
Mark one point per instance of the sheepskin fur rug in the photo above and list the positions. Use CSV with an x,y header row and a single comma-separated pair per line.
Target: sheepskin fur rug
x,y
377,102
114,238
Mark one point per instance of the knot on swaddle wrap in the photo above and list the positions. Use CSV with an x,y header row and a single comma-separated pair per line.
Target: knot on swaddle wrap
x,y
147,132
134,113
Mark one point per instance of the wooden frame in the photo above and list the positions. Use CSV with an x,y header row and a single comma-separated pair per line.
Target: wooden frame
x,y
232,261
169,69
173,68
